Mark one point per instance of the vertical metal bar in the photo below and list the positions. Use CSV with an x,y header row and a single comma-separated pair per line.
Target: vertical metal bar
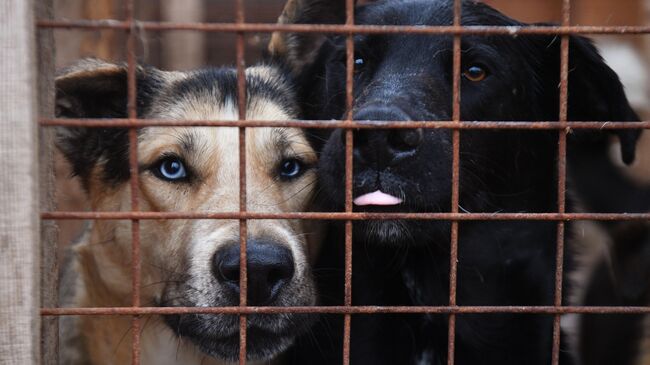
x,y
133,170
241,102
349,145
455,187
561,182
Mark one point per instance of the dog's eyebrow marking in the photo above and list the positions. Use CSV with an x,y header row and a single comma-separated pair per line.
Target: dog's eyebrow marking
x,y
281,139
187,142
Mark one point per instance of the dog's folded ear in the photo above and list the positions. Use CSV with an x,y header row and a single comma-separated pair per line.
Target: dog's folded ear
x,y
96,89
300,49
595,93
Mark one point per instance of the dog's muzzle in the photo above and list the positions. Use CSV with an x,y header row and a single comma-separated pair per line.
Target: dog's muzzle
x,y
273,279
385,147
270,267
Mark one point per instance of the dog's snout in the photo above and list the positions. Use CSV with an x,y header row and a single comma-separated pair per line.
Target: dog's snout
x,y
405,139
381,113
385,146
270,267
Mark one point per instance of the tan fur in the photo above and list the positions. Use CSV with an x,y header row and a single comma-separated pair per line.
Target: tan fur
x,y
169,247
591,246
299,49
277,45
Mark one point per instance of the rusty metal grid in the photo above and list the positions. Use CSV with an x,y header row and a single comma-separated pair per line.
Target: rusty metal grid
x,y
456,125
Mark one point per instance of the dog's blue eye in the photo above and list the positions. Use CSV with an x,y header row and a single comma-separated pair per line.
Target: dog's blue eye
x,y
359,62
172,169
291,168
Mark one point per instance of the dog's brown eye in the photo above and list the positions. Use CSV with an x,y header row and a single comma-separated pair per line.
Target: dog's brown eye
x,y
475,73
291,168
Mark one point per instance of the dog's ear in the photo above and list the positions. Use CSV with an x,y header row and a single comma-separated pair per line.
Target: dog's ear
x,y
300,49
95,89
595,92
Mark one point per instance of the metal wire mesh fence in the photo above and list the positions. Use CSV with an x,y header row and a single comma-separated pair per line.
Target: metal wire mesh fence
x,y
131,26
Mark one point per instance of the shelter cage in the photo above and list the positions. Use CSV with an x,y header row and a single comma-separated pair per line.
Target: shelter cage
x,y
28,325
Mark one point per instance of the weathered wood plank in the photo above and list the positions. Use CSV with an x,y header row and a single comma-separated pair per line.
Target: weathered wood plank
x,y
183,50
19,224
49,230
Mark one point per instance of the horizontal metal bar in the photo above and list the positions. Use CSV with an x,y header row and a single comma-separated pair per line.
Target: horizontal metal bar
x,y
342,28
325,124
350,216
342,310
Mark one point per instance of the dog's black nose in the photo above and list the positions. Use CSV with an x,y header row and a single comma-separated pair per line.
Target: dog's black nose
x,y
388,145
270,267
405,139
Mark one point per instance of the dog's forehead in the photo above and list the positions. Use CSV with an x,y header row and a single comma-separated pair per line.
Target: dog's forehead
x,y
429,12
413,12
212,94
419,54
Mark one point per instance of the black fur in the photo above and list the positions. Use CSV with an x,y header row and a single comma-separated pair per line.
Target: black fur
x,y
408,77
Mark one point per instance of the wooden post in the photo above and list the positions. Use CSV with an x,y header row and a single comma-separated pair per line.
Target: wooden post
x,y
183,50
101,44
19,221
49,230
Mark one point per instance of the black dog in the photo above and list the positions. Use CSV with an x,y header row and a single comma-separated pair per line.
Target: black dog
x,y
408,77
620,278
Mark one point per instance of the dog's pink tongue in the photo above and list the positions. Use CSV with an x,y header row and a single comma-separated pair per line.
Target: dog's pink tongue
x,y
377,198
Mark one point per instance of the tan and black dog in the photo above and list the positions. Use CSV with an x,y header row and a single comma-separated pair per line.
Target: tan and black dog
x,y
186,262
